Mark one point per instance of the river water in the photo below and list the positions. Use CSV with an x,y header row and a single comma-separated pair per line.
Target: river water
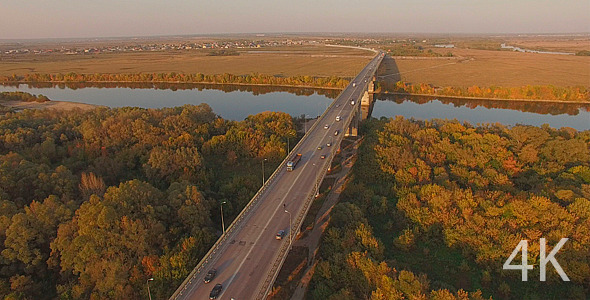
x,y
237,102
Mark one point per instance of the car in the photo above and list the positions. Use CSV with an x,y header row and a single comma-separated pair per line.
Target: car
x,y
352,102
280,235
326,126
320,147
323,156
329,144
215,291
353,84
336,132
210,275
338,118
337,105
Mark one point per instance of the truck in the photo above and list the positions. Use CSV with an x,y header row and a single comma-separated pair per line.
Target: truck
x,y
293,162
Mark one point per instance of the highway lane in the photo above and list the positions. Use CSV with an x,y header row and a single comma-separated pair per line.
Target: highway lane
x,y
246,257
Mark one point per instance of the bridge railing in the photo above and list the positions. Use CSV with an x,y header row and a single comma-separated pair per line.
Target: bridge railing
x,y
281,256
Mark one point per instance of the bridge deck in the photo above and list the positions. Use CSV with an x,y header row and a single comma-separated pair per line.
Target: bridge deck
x,y
249,257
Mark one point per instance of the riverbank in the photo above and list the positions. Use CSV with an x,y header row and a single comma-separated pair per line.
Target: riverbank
x,y
9,83
484,98
58,105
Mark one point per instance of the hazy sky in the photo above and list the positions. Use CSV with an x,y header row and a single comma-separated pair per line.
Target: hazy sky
x,y
108,18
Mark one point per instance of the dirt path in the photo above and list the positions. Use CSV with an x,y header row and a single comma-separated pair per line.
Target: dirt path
x,y
312,240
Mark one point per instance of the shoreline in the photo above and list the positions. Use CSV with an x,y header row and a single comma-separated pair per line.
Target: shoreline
x,y
485,98
175,82
51,104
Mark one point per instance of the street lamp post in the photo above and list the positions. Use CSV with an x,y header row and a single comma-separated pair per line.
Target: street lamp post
x,y
263,171
222,223
290,229
317,178
148,286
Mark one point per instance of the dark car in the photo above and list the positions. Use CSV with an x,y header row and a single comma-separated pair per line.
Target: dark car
x,y
210,275
215,291
280,235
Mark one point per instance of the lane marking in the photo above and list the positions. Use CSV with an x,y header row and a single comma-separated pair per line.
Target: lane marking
x,y
265,226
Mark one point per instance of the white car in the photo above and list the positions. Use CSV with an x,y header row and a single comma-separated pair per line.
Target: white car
x,y
338,118
326,126
351,102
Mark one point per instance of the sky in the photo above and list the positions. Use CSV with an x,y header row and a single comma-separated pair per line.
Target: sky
x,y
32,19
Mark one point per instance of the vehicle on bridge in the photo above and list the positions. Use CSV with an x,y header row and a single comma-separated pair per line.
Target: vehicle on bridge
x,y
293,162
351,102
336,132
280,235
215,291
323,156
338,118
210,275
353,84
326,126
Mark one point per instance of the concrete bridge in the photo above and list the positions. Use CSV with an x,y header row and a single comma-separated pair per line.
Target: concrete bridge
x,y
248,256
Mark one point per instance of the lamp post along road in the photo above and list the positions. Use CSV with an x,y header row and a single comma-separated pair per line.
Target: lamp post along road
x,y
222,223
290,229
148,286
263,181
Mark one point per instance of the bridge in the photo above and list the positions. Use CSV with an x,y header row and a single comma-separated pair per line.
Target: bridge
x,y
247,256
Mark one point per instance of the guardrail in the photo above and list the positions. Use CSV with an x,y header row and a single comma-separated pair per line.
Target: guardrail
x,y
281,256
210,255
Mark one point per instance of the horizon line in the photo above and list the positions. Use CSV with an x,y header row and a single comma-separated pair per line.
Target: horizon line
x,y
297,33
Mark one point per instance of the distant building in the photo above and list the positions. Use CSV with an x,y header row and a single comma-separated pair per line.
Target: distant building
x,y
445,46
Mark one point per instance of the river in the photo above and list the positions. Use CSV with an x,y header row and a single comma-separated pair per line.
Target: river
x,y
237,102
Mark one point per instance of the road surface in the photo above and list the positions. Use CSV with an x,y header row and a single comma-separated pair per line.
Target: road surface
x,y
245,258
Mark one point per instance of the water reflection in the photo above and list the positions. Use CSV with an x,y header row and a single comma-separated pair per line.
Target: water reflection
x,y
485,111
234,102
253,89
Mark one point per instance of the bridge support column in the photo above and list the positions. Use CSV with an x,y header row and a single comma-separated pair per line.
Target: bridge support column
x,y
352,129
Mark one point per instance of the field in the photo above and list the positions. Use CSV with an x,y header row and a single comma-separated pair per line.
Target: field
x,y
499,68
470,64
279,61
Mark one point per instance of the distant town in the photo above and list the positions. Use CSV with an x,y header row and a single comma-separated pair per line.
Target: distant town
x,y
151,46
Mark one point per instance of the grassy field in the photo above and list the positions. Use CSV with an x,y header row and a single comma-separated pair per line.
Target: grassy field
x,y
468,67
279,61
499,68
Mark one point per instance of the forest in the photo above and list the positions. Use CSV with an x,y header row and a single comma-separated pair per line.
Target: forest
x,y
530,92
94,203
435,208
250,79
